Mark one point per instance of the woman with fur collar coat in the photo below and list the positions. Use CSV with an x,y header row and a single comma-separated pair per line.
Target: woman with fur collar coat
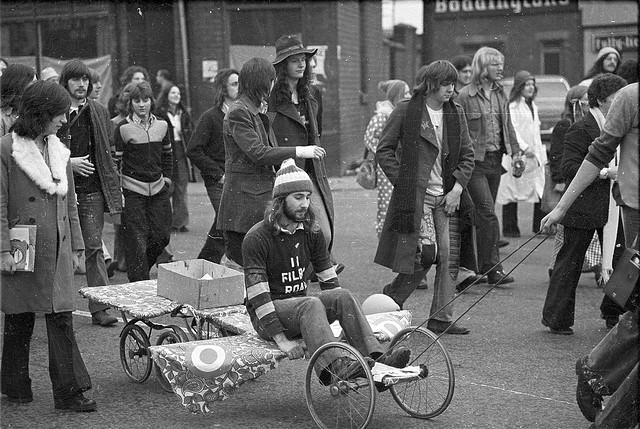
x,y
36,188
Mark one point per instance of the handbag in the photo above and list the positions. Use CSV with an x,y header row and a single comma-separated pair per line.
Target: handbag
x,y
366,174
622,287
550,197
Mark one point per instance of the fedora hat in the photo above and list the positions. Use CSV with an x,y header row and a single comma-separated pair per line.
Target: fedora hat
x,y
290,45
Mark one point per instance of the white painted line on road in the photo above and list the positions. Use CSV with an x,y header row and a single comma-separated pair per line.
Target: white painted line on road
x,y
473,383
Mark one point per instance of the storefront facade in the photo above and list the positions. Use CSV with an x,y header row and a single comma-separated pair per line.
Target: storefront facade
x,y
194,39
540,36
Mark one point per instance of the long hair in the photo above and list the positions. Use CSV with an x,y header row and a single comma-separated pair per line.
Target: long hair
x,y
281,89
220,86
597,67
481,60
140,91
122,102
41,102
163,99
394,89
519,81
572,110
254,81
75,69
15,78
275,212
128,73
431,77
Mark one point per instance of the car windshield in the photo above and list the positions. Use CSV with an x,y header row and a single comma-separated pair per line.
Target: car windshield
x,y
552,89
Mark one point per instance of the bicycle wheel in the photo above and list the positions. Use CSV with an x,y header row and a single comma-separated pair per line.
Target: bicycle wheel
x,y
176,335
431,394
134,353
341,400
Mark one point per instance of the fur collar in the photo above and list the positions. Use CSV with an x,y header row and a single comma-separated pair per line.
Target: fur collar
x,y
52,178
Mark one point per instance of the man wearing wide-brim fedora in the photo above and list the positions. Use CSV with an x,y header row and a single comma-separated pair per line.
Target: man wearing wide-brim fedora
x,y
295,114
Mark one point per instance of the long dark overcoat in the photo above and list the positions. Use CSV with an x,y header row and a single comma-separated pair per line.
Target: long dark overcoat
x,y
252,157
49,288
291,131
397,250
591,209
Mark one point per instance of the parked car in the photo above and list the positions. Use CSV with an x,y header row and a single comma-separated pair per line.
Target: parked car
x,y
552,90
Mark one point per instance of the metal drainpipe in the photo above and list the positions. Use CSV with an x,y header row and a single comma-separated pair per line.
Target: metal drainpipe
x,y
185,51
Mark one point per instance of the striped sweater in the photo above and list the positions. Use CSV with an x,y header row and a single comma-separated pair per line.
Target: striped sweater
x,y
277,266
143,152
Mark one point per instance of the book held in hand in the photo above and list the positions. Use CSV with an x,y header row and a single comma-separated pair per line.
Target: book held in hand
x,y
23,246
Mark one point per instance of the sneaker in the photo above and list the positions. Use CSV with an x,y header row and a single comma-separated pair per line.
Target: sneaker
x,y
344,368
398,358
460,287
438,327
589,402
102,318
499,276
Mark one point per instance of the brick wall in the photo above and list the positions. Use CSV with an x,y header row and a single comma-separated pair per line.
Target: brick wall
x,y
360,38
206,38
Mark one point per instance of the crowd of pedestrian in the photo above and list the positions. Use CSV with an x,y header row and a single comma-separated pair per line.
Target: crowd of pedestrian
x,y
448,150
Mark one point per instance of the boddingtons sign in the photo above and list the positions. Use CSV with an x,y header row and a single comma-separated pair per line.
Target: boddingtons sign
x,y
499,6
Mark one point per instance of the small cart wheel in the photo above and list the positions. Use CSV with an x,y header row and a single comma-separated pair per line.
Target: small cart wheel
x,y
168,337
431,394
339,400
134,353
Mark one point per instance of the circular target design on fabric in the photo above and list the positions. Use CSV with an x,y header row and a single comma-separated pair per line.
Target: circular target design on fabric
x,y
208,360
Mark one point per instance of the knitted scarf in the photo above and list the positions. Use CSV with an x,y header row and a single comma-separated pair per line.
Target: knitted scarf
x,y
405,189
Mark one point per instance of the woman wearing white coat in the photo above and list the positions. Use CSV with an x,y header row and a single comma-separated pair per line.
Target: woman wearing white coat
x,y
529,186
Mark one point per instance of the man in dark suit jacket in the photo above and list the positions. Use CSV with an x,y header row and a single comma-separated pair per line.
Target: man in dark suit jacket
x,y
586,215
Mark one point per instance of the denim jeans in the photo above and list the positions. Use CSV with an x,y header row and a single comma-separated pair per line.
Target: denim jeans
x,y
213,248
444,289
310,316
483,188
91,214
180,209
146,223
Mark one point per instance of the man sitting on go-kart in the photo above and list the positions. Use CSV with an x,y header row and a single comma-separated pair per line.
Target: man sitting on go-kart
x,y
278,254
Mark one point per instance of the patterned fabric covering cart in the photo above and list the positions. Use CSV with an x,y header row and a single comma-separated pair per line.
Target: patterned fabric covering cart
x,y
140,301
202,372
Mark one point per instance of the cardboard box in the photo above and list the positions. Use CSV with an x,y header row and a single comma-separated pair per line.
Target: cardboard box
x,y
181,281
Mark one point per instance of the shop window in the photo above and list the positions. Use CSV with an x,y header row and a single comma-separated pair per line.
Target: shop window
x,y
63,39
68,39
254,31
19,39
471,48
259,27
551,59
